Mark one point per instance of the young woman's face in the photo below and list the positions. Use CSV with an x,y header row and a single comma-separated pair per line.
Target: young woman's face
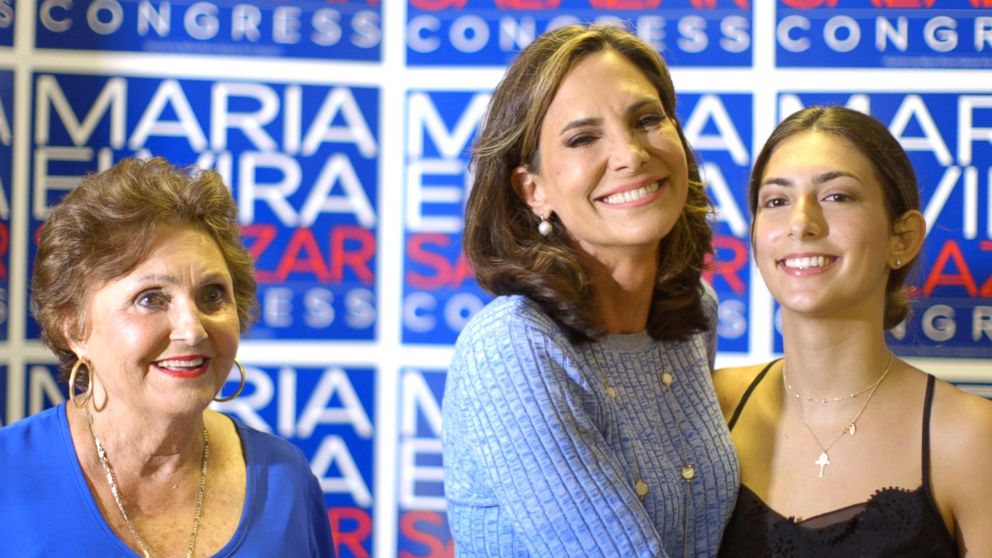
x,y
162,339
823,240
611,165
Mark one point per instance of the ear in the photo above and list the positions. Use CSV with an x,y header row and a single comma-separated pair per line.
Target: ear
x,y
528,186
907,238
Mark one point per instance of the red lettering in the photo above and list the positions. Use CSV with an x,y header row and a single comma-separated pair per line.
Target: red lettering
x,y
986,246
711,4
4,244
436,548
358,259
262,236
810,4
438,5
302,242
937,278
981,3
415,248
352,539
902,3
527,4
729,269
625,4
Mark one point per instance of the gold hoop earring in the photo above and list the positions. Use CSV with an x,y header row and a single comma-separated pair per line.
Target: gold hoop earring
x,y
72,384
241,386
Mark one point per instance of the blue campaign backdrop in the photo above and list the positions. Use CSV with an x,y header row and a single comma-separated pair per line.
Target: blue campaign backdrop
x,y
344,130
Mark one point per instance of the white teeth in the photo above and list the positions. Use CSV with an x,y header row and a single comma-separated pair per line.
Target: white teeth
x,y
806,262
181,363
632,195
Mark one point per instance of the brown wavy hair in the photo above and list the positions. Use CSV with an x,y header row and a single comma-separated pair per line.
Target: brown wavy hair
x,y
889,161
501,238
108,225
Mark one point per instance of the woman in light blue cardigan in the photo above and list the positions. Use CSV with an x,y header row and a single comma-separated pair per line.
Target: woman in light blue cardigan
x,y
579,412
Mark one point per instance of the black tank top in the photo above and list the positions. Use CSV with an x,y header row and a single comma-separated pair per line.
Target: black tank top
x,y
893,522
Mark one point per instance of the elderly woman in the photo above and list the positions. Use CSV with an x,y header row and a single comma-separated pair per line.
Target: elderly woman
x,y
142,287
579,413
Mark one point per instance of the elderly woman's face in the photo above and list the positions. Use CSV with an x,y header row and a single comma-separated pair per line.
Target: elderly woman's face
x,y
612,166
164,337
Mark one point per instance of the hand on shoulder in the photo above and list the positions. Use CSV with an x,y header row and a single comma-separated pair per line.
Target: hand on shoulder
x,y
731,383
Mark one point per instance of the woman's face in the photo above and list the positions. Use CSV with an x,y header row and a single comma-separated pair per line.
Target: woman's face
x,y
612,167
163,338
822,237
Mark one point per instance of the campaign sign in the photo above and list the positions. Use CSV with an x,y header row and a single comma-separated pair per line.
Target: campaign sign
x,y
439,289
328,413
339,30
719,128
35,386
423,527
884,33
948,137
7,23
6,174
301,161
689,33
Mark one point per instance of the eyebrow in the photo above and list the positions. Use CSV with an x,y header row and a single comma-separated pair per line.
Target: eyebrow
x,y
173,280
817,180
634,107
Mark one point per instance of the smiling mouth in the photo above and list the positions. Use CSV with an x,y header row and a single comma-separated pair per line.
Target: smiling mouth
x,y
183,368
631,195
808,262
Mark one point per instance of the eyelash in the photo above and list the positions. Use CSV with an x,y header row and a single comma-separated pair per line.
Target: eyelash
x,y
647,121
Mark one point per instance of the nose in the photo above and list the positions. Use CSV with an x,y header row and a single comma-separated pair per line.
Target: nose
x,y
628,152
806,219
187,323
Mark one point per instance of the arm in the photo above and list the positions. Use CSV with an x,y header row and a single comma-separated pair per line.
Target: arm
x,y
322,541
961,469
519,398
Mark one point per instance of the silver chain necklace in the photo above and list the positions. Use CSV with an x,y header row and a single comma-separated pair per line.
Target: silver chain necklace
x,y
688,472
112,481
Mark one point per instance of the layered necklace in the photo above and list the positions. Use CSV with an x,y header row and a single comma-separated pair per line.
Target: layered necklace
x,y
112,481
687,472
852,426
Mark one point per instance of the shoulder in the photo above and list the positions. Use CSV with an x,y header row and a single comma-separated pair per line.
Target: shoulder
x,y
262,448
731,383
961,448
506,322
962,420
35,431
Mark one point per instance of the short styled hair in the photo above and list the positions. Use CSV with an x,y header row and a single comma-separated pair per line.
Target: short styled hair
x,y
107,226
501,239
888,159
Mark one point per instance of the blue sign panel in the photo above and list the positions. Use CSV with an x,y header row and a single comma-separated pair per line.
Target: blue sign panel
x,y
439,289
329,413
301,161
7,23
719,128
32,389
687,32
7,118
340,30
948,138
884,33
423,526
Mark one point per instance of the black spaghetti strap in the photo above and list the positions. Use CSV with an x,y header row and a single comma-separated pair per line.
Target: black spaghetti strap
x,y
747,394
927,404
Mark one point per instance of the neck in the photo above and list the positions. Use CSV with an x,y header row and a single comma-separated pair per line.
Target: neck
x,y
140,446
622,290
827,357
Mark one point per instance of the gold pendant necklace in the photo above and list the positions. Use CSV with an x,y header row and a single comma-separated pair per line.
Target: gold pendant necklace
x,y
852,426
112,481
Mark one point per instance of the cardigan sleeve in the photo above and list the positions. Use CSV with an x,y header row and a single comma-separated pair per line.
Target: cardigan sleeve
x,y
515,401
